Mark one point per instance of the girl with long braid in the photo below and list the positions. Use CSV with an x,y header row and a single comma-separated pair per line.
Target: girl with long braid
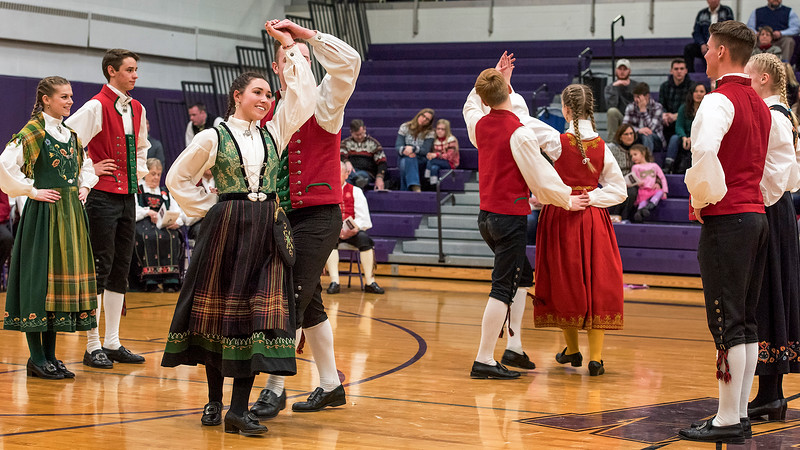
x,y
51,281
236,311
778,310
573,290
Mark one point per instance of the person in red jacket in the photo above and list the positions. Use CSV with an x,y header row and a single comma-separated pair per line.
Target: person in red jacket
x,y
730,135
114,128
511,166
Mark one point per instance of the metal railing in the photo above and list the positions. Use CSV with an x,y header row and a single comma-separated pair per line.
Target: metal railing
x,y
534,97
619,18
439,202
584,69
345,19
201,92
222,76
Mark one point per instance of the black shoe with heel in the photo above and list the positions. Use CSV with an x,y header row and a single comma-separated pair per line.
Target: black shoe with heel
x,y
575,359
319,400
247,424
212,414
46,371
97,359
62,369
596,368
774,410
707,432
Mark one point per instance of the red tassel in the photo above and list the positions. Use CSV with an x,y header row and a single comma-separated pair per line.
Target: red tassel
x,y
124,308
722,359
507,320
302,343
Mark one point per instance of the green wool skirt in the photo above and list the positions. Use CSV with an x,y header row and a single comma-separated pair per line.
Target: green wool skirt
x,y
51,280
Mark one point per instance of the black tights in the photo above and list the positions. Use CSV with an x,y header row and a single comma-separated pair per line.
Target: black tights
x,y
240,398
770,388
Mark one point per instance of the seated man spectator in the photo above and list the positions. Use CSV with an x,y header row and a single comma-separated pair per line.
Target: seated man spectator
x,y
645,114
765,43
356,222
783,21
698,48
619,95
363,156
199,120
672,94
156,149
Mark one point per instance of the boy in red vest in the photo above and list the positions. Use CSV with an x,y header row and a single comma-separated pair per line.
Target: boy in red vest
x,y
113,127
309,191
730,134
511,166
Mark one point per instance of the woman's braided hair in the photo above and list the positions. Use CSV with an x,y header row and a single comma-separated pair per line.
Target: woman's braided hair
x,y
772,66
47,86
579,100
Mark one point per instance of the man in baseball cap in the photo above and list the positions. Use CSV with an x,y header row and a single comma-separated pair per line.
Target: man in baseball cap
x,y
619,95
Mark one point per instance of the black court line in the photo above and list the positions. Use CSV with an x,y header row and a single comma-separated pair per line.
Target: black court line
x,y
421,344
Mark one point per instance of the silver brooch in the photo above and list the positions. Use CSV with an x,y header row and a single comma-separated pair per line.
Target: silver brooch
x,y
247,132
257,196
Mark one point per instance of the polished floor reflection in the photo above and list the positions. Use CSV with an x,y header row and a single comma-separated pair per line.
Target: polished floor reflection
x,y
404,357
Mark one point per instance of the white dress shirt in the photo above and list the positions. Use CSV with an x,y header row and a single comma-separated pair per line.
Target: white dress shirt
x,y
14,183
190,131
781,163
298,106
362,218
88,122
612,190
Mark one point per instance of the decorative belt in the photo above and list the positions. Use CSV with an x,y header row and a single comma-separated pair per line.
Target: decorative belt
x,y
252,196
579,189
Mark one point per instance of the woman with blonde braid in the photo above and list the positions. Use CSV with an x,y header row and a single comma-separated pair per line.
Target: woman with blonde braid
x,y
573,292
51,280
778,310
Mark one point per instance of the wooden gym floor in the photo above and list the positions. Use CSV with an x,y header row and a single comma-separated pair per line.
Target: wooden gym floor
x,y
405,358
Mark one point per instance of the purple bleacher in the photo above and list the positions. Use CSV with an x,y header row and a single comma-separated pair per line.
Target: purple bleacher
x,y
413,99
402,201
700,77
651,235
394,225
656,260
453,183
383,248
459,83
677,187
671,210
469,66
468,158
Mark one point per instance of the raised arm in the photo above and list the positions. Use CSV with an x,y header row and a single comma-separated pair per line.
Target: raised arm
x,y
472,114
187,170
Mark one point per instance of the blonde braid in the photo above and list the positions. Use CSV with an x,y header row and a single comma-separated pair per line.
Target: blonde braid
x,y
771,65
576,100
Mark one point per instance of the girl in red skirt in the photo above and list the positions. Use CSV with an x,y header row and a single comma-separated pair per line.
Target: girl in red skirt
x,y
578,267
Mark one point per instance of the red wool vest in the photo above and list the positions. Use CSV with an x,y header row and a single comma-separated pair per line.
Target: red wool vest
x,y
743,150
5,208
348,204
502,188
110,143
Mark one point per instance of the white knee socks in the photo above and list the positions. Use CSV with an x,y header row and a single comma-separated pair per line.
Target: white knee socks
x,y
320,339
493,317
93,335
333,266
275,383
730,393
514,343
114,302
368,265
751,356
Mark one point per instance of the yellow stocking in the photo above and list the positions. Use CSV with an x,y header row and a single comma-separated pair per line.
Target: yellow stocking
x,y
571,336
596,344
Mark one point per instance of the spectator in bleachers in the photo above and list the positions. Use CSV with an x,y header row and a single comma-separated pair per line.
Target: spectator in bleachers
x,y
199,120
355,223
713,14
672,94
158,251
783,21
651,181
156,149
364,157
645,116
444,154
620,147
764,42
679,155
414,141
619,95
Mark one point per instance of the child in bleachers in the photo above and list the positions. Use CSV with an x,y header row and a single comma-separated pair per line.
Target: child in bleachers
x,y
444,154
650,179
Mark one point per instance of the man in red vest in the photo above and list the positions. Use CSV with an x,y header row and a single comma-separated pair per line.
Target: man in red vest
x,y
511,166
114,128
730,134
308,188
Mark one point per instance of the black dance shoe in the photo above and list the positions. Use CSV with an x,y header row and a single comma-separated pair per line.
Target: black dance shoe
x,y
47,371
212,414
498,372
123,355
575,359
774,410
707,432
747,427
373,288
596,368
319,400
97,359
511,358
62,369
247,424
333,288
268,404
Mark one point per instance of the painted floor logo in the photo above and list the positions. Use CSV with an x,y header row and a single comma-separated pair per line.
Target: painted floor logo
x,y
659,424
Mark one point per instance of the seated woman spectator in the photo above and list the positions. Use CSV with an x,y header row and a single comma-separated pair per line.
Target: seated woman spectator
x,y
444,154
764,42
651,180
620,146
158,251
679,156
414,141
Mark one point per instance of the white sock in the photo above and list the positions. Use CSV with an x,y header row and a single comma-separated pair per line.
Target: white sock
x,y
368,265
114,301
333,266
493,317
93,335
320,339
275,384
751,356
514,343
730,392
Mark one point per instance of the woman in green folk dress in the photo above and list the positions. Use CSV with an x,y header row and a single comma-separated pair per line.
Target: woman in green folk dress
x,y
51,280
